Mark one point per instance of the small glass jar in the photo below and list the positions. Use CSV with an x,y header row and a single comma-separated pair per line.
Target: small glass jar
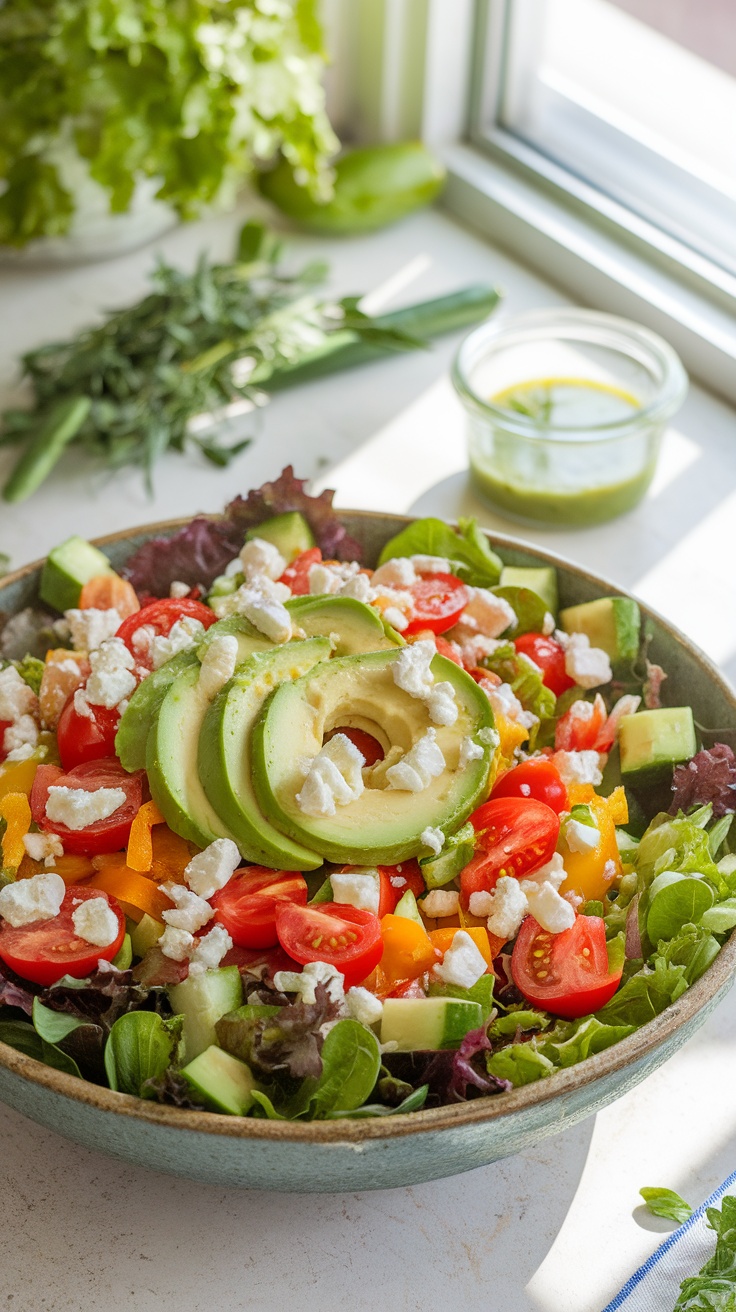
x,y
565,411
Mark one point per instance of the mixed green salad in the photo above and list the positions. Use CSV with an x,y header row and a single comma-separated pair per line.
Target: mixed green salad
x,y
286,835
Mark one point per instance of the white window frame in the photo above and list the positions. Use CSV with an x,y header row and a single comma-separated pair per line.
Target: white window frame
x,y
415,70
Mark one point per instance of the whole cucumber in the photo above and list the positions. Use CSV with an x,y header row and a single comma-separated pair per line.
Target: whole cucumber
x,y
374,185
55,431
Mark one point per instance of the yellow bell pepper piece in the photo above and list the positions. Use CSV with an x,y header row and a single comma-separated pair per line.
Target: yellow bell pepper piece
x,y
511,734
17,777
407,948
590,874
442,939
16,811
140,843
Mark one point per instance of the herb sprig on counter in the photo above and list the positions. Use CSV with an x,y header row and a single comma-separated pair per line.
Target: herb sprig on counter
x,y
129,389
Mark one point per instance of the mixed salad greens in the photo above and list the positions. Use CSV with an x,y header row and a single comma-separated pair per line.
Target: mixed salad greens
x,y
287,836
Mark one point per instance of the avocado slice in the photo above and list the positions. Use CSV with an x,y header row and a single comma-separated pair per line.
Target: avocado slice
x,y
542,580
455,855
140,713
290,534
652,743
249,638
427,1023
224,754
611,623
225,1083
356,627
383,825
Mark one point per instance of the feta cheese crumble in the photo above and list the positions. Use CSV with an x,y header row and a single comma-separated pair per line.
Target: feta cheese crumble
x,y
89,628
463,963
28,900
537,895
580,837
183,635
96,922
210,870
469,751
419,766
262,602
433,838
487,613
578,767
111,679
357,888
77,808
333,778
209,950
22,733
440,902
400,572
176,944
190,911
588,666
505,907
218,665
41,846
179,590
413,674
304,982
364,1006
16,698
259,557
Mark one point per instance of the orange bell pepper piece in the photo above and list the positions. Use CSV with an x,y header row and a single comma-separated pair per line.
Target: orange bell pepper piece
x,y
140,843
72,868
442,939
618,807
16,811
136,894
407,948
17,777
109,592
511,735
171,855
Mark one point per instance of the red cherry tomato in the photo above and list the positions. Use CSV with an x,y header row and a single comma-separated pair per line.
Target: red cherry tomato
x,y
161,616
550,657
347,938
439,601
246,906
108,835
47,949
565,973
514,835
581,727
403,878
538,778
296,575
84,737
365,743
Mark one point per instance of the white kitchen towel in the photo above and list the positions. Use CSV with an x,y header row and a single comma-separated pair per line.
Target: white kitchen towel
x,y
656,1285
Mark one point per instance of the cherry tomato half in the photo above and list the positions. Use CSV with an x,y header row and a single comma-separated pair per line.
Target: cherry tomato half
x,y
439,601
403,878
161,616
347,938
550,657
108,835
47,949
581,727
86,737
246,906
538,778
514,835
565,973
296,575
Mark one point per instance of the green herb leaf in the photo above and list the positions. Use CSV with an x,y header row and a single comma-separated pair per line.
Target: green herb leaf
x,y
468,549
141,1045
21,1035
528,607
666,1203
351,1061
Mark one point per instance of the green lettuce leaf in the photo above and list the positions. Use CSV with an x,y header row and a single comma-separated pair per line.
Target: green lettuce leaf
x,y
525,680
694,949
645,994
677,844
572,1041
351,1062
19,1034
666,1203
528,607
520,1063
141,1046
468,549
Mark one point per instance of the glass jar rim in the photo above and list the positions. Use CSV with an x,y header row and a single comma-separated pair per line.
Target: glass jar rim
x,y
569,322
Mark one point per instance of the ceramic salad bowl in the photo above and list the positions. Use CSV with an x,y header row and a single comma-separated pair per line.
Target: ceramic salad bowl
x,y
338,1155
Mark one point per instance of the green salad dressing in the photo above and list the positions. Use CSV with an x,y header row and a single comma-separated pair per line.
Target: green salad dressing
x,y
567,472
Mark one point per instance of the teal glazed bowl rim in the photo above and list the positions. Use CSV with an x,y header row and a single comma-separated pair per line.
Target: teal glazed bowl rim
x,y
628,1053
569,321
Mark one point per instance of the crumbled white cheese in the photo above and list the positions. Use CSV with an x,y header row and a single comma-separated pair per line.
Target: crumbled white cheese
x,y
211,869
28,900
260,557
357,889
397,573
431,565
475,648
364,1006
179,590
22,753
262,602
505,907
588,666
142,641
22,733
548,625
433,838
580,837
218,665
77,808
488,737
504,701
304,982
176,944
439,903
359,588
422,763
209,950
441,704
412,668
81,705
16,698
328,579
487,613
96,922
396,618
89,628
183,635
39,846
469,751
463,963
111,679
190,911
578,767
334,777
553,912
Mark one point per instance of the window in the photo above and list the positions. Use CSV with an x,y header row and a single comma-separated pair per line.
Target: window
x,y
641,109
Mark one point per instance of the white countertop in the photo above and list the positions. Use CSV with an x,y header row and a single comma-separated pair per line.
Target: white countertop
x,y
552,1227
